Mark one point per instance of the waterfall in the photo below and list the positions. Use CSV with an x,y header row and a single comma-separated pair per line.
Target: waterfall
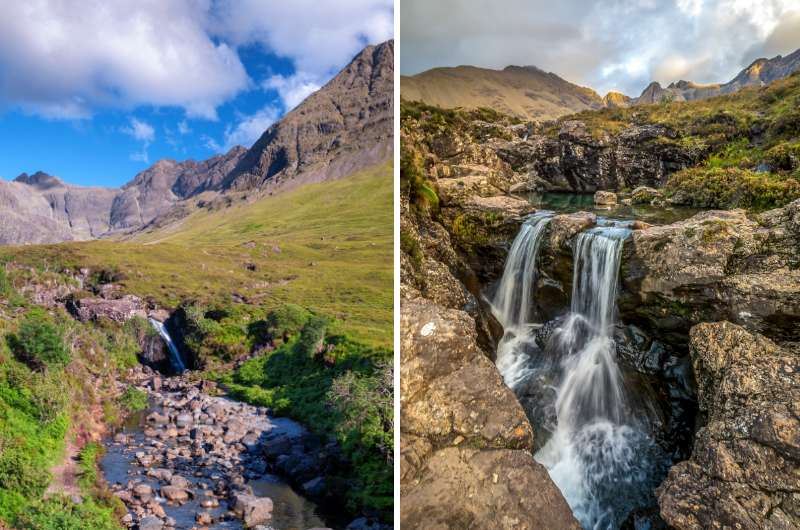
x,y
600,452
174,355
513,299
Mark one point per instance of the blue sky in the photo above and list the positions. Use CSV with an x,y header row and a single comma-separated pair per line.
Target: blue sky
x,y
95,91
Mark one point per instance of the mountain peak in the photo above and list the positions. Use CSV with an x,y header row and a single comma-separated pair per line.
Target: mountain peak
x,y
40,180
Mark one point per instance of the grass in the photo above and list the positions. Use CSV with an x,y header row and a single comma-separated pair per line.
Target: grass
x,y
340,388
325,246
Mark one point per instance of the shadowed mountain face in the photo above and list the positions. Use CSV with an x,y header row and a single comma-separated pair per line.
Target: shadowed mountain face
x,y
343,127
523,91
760,72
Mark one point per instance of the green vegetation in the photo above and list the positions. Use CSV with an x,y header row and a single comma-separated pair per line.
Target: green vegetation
x,y
413,182
53,373
730,187
39,342
336,386
326,246
133,399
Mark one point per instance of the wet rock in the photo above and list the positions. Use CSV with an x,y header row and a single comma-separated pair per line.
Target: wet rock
x,y
717,265
151,522
174,493
253,510
605,198
451,390
645,195
744,466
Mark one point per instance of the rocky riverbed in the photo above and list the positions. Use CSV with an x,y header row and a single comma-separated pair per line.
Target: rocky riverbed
x,y
195,460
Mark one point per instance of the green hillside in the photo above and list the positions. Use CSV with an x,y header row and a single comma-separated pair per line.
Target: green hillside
x,y
326,246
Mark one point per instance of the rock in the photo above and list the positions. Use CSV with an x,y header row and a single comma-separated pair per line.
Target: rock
x,y
174,493
605,198
501,203
315,487
184,420
449,390
717,265
119,310
644,195
143,491
253,510
744,465
204,518
179,482
151,522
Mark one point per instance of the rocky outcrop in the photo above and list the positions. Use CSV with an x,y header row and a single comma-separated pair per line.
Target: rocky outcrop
x,y
118,309
743,472
759,73
465,441
717,265
345,126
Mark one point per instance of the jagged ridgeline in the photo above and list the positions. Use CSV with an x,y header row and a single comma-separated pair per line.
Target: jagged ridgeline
x,y
586,299
265,273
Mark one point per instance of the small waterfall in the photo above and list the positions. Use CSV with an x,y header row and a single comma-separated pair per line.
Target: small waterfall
x,y
174,355
513,299
600,451
600,454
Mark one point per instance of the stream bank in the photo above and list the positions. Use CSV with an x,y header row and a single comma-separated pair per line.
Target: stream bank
x,y
194,460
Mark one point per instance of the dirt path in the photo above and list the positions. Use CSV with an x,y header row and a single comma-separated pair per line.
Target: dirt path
x,y
65,474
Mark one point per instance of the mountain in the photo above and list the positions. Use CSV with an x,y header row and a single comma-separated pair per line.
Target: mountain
x,y
760,72
345,126
523,91
40,208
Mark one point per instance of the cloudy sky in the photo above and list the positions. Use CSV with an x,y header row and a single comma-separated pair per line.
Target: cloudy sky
x,y
604,44
94,91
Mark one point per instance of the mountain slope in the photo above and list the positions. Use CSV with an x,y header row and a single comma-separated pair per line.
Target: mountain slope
x,y
525,92
344,126
760,72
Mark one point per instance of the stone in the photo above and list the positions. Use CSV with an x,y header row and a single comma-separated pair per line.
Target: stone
x,y
744,466
179,482
605,198
253,510
151,522
174,493
644,195
118,310
204,518
450,389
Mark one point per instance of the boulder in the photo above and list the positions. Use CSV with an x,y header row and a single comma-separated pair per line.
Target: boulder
x,y
174,493
151,522
460,428
743,472
118,310
717,265
253,510
645,195
605,198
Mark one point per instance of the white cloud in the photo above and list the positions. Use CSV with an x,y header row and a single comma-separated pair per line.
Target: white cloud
x,y
140,130
63,58
143,132
250,128
183,127
211,144
319,37
604,44
292,89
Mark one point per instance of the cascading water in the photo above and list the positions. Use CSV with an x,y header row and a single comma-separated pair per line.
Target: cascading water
x,y
174,355
513,300
600,452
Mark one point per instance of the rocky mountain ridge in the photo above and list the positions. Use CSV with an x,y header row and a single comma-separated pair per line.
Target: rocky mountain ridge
x,y
530,93
342,128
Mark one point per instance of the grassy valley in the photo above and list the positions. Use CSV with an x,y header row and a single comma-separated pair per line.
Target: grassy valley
x,y
301,281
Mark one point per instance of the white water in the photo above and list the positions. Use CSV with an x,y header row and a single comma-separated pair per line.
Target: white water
x,y
513,300
599,452
174,354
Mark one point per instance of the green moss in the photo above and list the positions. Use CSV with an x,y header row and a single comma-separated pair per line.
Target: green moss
x,y
410,246
731,188
133,399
